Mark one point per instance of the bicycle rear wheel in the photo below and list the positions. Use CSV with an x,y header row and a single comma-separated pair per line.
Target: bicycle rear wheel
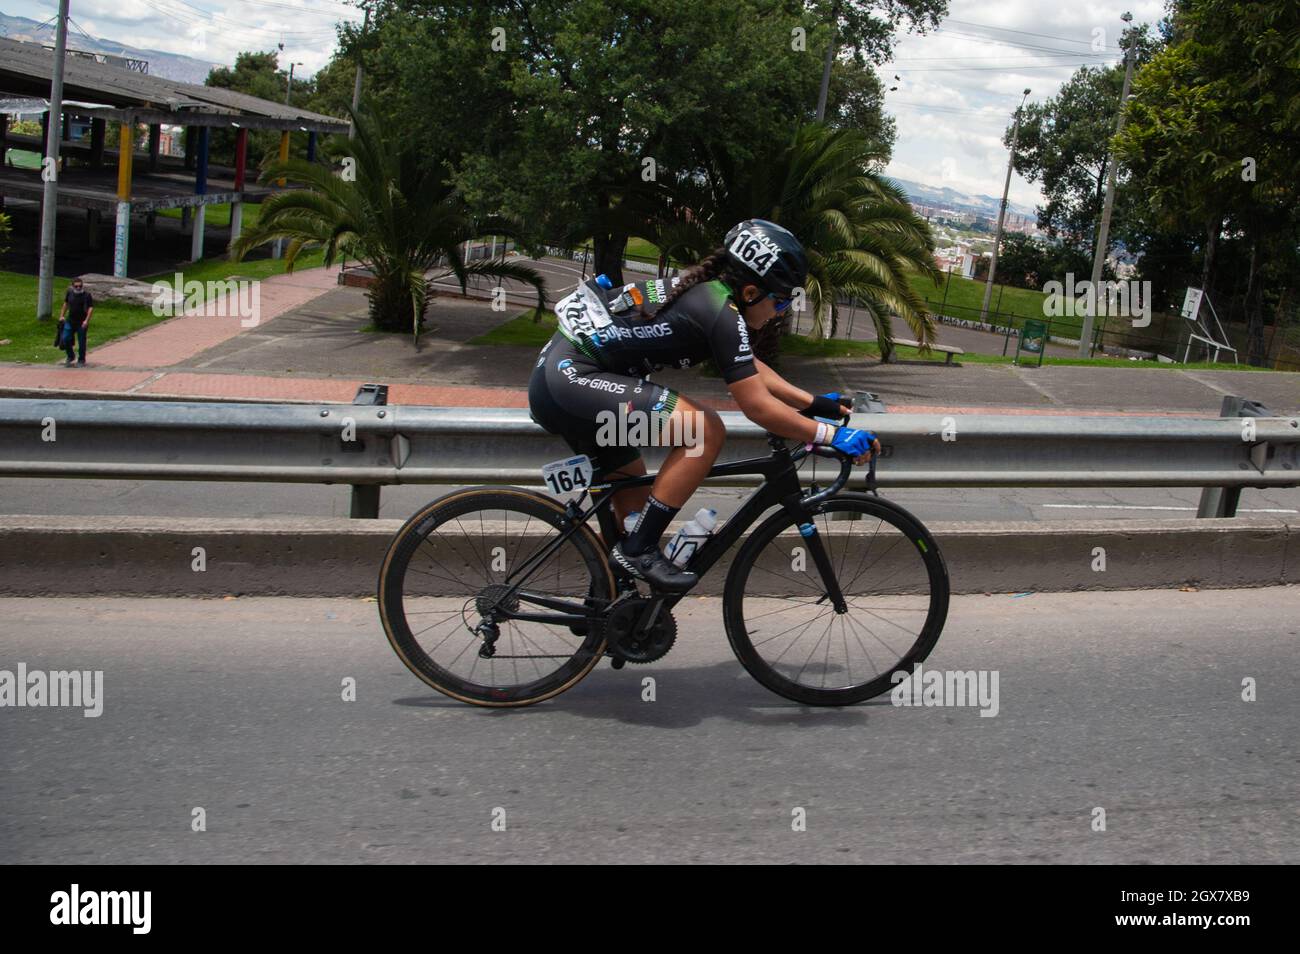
x,y
779,618
468,556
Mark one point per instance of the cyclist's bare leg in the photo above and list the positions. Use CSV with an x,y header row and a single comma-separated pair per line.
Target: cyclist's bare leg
x,y
631,499
699,434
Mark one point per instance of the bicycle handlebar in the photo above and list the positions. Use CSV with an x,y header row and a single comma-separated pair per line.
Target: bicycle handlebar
x,y
846,468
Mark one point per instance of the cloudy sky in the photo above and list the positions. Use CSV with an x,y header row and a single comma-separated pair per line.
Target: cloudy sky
x,y
959,86
956,91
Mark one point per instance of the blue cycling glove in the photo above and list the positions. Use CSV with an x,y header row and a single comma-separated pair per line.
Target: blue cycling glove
x,y
854,442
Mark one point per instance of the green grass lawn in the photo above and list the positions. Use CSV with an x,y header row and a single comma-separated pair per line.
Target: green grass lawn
x,y
218,216
219,268
520,330
966,295
32,341
640,250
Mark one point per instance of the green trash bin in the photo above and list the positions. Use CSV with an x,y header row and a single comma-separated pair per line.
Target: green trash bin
x,y
1032,340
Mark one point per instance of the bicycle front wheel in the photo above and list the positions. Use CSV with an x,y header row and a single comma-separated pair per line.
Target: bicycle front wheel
x,y
500,557
778,613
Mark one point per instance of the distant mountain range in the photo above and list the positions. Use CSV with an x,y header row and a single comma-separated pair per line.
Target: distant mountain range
x,y
957,201
171,66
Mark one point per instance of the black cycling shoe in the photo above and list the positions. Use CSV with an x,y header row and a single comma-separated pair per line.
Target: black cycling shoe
x,y
656,569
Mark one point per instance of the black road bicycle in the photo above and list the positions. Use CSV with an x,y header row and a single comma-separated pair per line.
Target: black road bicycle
x,y
502,596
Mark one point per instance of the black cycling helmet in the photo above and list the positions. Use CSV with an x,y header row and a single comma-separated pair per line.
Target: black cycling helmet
x,y
767,255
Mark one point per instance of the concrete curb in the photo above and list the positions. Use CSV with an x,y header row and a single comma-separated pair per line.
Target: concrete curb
x,y
135,556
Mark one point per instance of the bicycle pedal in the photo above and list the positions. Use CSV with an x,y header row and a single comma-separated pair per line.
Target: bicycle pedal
x,y
617,663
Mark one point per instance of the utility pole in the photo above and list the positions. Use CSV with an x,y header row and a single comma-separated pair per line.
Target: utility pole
x,y
830,58
1103,232
50,172
1002,211
356,84
289,87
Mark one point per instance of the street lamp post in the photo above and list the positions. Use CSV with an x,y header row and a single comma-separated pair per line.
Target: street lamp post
x,y
289,86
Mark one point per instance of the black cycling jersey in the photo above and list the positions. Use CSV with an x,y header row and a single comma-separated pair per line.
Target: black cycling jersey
x,y
638,336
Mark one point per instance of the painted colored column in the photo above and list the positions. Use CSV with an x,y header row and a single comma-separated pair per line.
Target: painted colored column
x,y
122,232
241,163
200,188
311,147
155,142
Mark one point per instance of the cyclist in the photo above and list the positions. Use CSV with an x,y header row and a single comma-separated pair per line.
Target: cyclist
x,y
596,368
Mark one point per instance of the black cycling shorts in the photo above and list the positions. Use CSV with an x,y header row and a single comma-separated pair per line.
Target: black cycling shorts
x,y
572,396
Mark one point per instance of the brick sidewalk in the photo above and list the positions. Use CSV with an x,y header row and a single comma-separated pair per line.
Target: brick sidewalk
x,y
179,339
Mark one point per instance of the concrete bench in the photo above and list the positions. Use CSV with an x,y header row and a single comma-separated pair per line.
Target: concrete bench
x,y
948,350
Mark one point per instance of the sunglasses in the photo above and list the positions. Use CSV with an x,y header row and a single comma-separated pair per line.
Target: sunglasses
x,y
780,304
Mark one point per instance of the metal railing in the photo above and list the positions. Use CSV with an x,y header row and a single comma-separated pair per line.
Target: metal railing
x,y
371,445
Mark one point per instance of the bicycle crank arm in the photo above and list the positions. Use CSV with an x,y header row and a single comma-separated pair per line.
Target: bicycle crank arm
x,y
650,614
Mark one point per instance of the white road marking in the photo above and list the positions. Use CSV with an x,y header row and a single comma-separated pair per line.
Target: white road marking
x,y
1141,507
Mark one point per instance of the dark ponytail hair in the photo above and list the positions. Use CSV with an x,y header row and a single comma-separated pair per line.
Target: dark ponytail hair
x,y
712,267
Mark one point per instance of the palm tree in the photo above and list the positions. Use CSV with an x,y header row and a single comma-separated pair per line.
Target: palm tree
x,y
862,237
393,211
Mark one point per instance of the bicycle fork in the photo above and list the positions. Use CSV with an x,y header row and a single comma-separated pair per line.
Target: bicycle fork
x,y
813,540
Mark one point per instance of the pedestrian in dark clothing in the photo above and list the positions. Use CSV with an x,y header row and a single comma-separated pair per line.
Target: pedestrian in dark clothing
x,y
74,319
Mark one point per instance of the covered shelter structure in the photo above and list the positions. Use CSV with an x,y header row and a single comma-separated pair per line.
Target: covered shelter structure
x,y
120,182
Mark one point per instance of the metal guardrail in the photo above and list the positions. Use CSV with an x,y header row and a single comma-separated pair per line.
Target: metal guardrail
x,y
369,446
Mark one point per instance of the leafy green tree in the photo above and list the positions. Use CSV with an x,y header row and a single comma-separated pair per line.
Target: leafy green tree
x,y
392,211
1213,134
1023,261
1064,144
867,29
557,105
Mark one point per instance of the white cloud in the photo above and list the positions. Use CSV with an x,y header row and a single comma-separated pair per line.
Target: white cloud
x,y
214,31
959,86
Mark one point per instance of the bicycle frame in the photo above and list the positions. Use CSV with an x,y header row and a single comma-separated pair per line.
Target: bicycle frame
x,y
780,486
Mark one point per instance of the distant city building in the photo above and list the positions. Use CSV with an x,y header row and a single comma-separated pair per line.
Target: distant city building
x,y
958,259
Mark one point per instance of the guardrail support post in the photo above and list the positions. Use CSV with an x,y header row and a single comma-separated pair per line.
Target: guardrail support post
x,y
365,501
1222,501
365,497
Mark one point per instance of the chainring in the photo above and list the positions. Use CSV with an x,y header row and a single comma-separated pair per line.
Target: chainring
x,y
621,619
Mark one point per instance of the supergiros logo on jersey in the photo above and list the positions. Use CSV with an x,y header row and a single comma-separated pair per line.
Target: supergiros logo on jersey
x,y
618,332
596,384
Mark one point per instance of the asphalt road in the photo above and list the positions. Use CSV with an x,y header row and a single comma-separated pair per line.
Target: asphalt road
x,y
1131,704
